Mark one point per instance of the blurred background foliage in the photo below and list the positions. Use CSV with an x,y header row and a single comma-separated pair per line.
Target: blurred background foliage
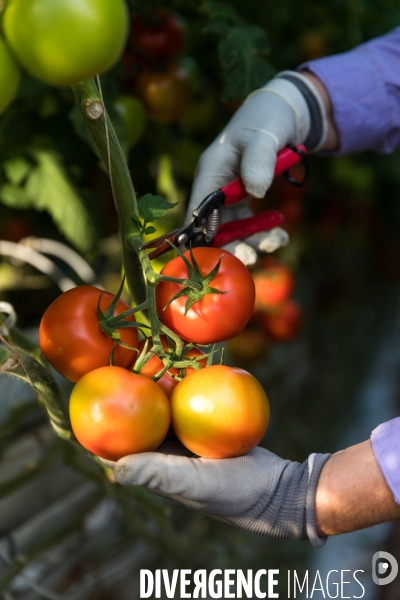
x,y
67,530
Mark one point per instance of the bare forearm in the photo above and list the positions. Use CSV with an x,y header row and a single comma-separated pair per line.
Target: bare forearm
x,y
352,492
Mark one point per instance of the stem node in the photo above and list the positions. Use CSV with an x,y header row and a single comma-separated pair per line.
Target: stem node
x,y
94,109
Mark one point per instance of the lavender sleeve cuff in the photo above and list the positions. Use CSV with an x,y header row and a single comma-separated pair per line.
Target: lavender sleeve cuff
x,y
364,86
386,445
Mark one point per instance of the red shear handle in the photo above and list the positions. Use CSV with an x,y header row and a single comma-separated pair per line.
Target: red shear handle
x,y
239,230
286,158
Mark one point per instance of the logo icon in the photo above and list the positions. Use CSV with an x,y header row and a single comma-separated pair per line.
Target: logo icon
x,y
384,568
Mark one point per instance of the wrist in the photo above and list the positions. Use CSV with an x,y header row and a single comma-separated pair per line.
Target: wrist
x,y
331,139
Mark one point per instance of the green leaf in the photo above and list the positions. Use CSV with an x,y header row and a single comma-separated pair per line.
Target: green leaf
x,y
150,230
241,55
152,208
16,169
49,188
14,196
218,26
21,365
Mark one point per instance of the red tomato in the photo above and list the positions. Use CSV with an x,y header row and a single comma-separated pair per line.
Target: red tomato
x,y
273,284
155,365
219,412
115,413
159,37
283,323
70,336
165,93
216,317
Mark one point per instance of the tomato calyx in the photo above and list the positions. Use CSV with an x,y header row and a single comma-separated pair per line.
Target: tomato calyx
x,y
197,285
109,323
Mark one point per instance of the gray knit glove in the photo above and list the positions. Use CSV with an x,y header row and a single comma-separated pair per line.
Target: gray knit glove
x,y
259,492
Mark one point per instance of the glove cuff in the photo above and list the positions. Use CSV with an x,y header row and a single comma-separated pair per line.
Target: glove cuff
x,y
316,463
319,120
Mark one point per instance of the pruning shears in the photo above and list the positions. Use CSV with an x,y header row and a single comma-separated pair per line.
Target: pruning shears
x,y
205,228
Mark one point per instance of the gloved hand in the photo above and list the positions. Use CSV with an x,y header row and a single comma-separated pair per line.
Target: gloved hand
x,y
259,492
288,109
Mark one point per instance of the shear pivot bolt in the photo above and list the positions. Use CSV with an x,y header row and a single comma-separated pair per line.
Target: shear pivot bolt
x,y
182,239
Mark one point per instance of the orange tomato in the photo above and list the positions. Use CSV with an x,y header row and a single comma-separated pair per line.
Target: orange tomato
x,y
153,366
219,412
274,284
115,413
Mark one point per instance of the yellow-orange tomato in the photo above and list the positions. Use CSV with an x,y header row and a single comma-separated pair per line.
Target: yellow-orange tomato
x,y
153,366
115,413
219,412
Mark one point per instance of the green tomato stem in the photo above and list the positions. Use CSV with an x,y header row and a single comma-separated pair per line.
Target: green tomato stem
x,y
109,150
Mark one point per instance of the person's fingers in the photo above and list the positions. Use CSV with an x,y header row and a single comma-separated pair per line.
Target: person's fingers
x,y
258,164
243,252
218,165
268,241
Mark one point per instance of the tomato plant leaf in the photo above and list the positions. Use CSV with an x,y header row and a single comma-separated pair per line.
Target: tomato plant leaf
x,y
14,196
150,229
49,188
16,169
153,207
242,50
241,54
22,365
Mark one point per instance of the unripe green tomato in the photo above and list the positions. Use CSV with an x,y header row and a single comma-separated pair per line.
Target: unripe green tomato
x,y
133,116
9,76
62,42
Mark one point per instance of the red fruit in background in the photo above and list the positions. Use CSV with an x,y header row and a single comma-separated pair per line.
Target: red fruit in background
x,y
249,345
13,228
274,284
165,94
155,365
284,322
158,36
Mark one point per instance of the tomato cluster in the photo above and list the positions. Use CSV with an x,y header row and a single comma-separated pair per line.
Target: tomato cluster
x,y
129,392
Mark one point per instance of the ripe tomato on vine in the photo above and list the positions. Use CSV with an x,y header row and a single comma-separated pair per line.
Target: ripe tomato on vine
x,y
219,412
225,302
115,413
71,336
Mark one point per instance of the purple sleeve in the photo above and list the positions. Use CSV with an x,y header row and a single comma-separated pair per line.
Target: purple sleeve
x,y
364,86
386,445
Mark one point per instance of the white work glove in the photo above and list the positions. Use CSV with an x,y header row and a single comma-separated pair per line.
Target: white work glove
x,y
288,109
259,492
